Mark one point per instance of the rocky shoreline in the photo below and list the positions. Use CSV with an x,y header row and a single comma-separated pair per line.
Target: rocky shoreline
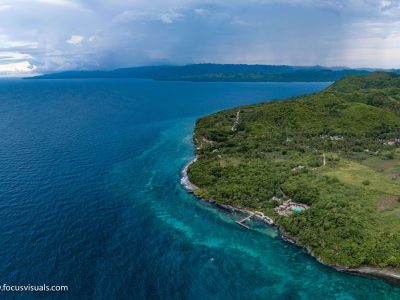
x,y
388,274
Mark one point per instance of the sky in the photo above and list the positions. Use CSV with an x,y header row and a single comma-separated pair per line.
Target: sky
x,y
41,36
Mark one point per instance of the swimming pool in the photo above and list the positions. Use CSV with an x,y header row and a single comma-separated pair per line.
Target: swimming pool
x,y
297,209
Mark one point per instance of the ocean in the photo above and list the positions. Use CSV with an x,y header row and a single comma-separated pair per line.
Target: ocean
x,y
90,198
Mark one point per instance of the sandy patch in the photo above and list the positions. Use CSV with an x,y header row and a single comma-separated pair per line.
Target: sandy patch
x,y
387,203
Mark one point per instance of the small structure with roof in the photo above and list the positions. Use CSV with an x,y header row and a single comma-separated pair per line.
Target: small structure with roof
x,y
289,207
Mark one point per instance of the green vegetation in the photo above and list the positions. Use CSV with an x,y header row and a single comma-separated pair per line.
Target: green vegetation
x,y
346,140
216,72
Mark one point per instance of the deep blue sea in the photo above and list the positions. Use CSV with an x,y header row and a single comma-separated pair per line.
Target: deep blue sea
x,y
90,198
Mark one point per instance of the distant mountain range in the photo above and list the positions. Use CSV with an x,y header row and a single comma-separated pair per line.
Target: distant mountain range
x,y
217,72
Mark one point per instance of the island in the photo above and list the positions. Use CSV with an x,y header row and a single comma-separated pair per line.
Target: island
x,y
216,73
324,168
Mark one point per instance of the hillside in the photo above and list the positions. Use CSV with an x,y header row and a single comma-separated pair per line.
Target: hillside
x,y
376,89
216,72
325,167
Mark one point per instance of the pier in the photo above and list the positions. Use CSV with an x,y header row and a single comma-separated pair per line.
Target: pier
x,y
241,222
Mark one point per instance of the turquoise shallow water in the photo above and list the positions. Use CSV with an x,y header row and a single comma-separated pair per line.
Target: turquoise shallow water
x,y
90,198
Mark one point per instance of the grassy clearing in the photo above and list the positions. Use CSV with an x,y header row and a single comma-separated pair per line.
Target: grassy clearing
x,y
389,220
388,167
382,189
364,177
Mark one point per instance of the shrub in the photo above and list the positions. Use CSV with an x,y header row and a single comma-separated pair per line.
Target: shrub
x,y
366,182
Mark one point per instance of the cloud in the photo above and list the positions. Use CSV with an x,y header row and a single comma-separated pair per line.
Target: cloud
x,y
15,3
7,42
59,2
16,69
75,39
95,34
389,4
5,6
170,17
131,16
349,7
12,56
200,11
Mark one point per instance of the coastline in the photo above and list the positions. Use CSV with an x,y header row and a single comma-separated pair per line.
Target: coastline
x,y
185,182
388,274
191,187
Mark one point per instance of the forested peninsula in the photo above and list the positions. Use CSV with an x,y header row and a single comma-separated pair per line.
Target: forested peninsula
x,y
325,167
